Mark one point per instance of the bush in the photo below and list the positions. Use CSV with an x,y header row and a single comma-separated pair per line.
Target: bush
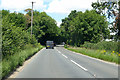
x,y
66,46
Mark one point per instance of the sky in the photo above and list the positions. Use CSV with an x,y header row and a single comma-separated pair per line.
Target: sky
x,y
57,9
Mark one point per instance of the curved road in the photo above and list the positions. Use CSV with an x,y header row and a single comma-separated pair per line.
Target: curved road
x,y
61,63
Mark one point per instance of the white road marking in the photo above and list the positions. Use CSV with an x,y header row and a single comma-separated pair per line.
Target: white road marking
x,y
79,65
58,51
94,58
64,56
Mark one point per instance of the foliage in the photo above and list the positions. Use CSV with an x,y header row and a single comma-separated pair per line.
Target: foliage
x,y
44,27
79,27
17,43
101,6
16,29
14,38
97,54
10,63
110,10
104,45
18,19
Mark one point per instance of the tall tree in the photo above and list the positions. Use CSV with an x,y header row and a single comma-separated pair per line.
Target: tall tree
x,y
14,36
111,10
79,27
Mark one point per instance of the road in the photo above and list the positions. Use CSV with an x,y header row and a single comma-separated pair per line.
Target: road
x,y
61,63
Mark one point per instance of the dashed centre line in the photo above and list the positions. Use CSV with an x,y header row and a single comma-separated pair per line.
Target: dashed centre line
x,y
79,65
59,51
64,56
83,68
74,62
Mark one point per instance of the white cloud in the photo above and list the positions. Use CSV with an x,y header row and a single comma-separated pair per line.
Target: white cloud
x,y
50,6
65,6
18,5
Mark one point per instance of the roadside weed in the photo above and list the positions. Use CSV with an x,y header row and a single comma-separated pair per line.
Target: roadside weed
x,y
100,54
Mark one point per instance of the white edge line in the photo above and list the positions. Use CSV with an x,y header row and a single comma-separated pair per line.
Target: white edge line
x,y
64,56
79,65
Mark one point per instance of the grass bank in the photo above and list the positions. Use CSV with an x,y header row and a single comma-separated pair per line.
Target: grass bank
x,y
103,45
100,54
10,63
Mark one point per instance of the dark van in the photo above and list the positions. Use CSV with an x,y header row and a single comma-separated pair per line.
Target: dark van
x,y
49,45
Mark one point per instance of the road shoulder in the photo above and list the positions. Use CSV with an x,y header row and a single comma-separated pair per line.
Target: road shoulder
x,y
20,68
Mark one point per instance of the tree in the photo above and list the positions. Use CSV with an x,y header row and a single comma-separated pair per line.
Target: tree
x,y
79,27
112,12
14,36
18,19
47,27
44,27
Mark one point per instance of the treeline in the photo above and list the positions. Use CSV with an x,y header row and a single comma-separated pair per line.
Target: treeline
x,y
81,27
75,29
44,27
16,31
17,43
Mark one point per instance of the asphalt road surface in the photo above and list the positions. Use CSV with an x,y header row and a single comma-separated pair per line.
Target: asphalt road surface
x,y
61,63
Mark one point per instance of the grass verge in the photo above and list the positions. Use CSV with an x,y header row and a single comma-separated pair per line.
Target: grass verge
x,y
100,54
10,63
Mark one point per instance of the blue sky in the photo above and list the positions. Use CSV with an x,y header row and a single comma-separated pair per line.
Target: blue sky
x,y
57,9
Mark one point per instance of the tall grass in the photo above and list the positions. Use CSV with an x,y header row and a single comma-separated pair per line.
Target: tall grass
x,y
100,54
104,45
10,63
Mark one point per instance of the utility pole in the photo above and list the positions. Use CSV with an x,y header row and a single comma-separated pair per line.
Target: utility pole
x,y
32,18
118,24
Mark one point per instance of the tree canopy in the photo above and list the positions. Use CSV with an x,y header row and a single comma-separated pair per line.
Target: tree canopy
x,y
44,27
79,27
75,29
16,28
14,37
111,10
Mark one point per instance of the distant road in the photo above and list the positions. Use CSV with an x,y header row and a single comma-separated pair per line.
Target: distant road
x,y
61,63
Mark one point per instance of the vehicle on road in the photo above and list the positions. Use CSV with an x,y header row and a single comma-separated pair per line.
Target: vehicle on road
x,y
49,45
